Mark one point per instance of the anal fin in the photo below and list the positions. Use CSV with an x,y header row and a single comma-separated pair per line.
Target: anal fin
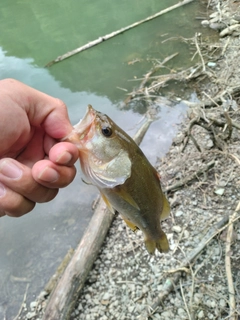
x,y
130,224
166,208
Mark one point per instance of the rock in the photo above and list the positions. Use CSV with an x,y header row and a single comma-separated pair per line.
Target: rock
x,y
222,304
177,229
198,298
33,305
219,191
179,213
30,315
182,313
200,314
214,15
106,296
217,26
211,64
205,23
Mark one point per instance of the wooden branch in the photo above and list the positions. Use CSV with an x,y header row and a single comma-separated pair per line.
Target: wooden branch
x,y
199,53
155,69
192,177
171,283
115,33
64,297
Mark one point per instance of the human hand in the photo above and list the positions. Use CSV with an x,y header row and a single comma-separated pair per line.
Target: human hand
x,y
33,166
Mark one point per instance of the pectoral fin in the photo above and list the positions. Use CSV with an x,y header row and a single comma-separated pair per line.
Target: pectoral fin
x,y
126,197
105,199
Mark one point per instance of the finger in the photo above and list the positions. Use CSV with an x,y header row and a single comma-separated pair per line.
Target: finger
x,y
63,153
34,149
13,204
19,179
51,175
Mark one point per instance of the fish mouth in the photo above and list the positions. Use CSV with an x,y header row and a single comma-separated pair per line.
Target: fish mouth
x,y
84,129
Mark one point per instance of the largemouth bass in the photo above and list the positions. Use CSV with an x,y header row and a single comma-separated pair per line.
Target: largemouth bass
x,y
128,183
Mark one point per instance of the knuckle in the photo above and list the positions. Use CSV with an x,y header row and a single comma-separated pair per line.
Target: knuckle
x,y
60,104
49,195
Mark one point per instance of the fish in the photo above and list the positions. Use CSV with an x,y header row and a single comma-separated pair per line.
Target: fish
x,y
128,183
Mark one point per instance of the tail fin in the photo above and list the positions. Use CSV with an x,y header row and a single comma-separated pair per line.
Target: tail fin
x,y
160,244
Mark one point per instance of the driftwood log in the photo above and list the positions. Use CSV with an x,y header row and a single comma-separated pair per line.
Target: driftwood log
x,y
64,297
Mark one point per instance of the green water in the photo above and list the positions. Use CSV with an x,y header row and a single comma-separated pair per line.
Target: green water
x,y
43,30
32,34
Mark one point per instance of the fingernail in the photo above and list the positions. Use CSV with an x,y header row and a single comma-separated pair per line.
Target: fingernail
x,y
10,170
2,190
64,158
48,175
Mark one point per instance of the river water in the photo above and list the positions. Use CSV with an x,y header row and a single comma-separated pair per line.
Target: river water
x,y
32,34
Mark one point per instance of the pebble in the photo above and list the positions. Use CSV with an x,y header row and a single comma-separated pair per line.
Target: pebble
x,y
182,313
200,314
198,298
219,191
205,23
211,303
179,213
30,315
217,26
177,229
222,303
33,305
186,234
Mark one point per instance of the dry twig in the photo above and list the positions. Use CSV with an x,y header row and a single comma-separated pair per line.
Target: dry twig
x,y
199,53
192,177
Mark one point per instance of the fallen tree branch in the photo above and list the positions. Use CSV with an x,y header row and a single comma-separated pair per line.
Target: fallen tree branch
x,y
171,283
64,297
215,127
183,182
115,33
232,303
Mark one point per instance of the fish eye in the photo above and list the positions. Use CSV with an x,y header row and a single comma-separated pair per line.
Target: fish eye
x,y
107,131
